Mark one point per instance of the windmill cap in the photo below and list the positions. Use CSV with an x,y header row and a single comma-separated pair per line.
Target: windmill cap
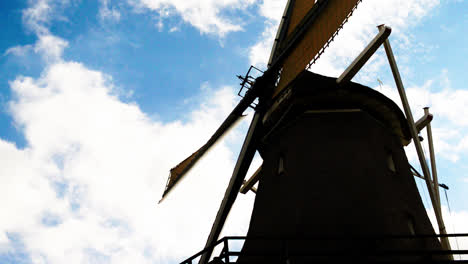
x,y
311,91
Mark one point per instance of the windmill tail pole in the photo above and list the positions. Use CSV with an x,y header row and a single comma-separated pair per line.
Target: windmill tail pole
x,y
432,156
401,90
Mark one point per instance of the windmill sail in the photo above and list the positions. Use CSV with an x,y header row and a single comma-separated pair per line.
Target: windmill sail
x,y
179,171
312,26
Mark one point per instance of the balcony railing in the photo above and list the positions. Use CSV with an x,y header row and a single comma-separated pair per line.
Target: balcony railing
x,y
230,255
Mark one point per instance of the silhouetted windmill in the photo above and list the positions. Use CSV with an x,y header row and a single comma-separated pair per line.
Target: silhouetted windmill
x,y
333,159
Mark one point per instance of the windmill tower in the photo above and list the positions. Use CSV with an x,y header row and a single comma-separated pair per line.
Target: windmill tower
x,y
334,169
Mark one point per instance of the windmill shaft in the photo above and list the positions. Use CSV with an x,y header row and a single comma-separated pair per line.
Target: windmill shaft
x,y
240,170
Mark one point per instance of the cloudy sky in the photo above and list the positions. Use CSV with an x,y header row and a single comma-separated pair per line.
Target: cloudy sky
x,y
99,99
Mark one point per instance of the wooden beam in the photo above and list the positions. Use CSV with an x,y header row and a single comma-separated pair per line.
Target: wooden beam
x,y
248,185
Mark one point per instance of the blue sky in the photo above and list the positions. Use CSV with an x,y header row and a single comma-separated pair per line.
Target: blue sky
x,y
99,99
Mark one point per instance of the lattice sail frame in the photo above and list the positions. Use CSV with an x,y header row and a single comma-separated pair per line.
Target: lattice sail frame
x,y
324,19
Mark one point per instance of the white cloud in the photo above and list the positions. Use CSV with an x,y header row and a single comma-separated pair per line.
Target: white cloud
x,y
448,105
37,18
95,167
207,15
19,50
50,47
24,196
272,9
108,13
174,29
113,162
40,13
260,52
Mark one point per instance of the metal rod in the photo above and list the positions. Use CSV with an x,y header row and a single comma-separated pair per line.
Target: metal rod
x,y
242,165
432,156
409,116
417,174
364,56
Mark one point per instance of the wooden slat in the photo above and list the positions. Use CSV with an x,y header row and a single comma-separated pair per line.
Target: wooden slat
x,y
328,21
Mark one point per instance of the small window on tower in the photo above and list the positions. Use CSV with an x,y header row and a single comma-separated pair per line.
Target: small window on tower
x,y
281,165
411,224
390,162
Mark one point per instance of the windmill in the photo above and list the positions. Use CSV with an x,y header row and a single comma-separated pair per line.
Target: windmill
x,y
324,133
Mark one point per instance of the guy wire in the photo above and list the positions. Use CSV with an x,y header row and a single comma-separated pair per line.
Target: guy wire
x,y
453,224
